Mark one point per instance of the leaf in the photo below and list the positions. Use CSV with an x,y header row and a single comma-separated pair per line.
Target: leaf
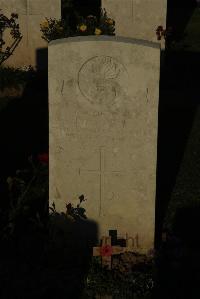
x,y
69,208
82,198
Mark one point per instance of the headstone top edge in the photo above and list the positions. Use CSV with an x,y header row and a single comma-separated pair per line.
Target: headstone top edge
x,y
104,38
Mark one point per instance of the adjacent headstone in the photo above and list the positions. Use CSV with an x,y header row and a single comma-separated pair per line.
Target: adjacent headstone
x,y
103,105
31,13
137,18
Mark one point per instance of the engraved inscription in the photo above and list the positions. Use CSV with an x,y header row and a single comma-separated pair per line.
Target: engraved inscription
x,y
102,80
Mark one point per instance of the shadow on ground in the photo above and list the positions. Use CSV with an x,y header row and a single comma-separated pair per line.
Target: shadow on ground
x,y
47,260
179,101
178,267
41,256
179,14
24,125
179,263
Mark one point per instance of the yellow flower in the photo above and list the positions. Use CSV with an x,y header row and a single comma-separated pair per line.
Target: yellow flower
x,y
44,25
110,21
97,31
82,27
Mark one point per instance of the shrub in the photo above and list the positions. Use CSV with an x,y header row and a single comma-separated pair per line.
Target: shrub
x,y
14,77
56,240
54,29
9,23
127,280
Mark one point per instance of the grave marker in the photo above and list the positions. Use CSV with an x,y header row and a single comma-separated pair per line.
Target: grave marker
x,y
137,18
103,105
30,14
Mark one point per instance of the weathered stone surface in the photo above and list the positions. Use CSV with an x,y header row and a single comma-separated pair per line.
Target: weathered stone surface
x,y
31,14
17,6
137,18
103,105
46,8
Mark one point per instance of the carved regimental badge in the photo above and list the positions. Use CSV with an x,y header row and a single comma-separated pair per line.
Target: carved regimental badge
x,y
102,80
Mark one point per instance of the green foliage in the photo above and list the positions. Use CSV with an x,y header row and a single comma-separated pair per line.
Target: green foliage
x,y
55,29
92,26
137,282
73,213
27,196
40,237
54,238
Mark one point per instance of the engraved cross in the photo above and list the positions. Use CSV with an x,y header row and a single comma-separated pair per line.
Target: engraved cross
x,y
101,172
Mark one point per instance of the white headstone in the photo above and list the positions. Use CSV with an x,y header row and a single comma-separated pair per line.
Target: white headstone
x,y
137,18
31,13
103,105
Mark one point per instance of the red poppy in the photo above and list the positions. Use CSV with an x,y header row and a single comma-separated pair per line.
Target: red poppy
x,y
106,250
43,158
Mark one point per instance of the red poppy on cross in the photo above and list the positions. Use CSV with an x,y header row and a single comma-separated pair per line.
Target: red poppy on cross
x,y
106,251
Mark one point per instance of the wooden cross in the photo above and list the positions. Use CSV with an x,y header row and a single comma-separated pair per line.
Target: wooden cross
x,y
107,250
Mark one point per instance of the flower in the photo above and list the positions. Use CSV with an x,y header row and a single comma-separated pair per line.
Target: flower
x,y
82,27
44,25
110,21
43,158
106,250
97,31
